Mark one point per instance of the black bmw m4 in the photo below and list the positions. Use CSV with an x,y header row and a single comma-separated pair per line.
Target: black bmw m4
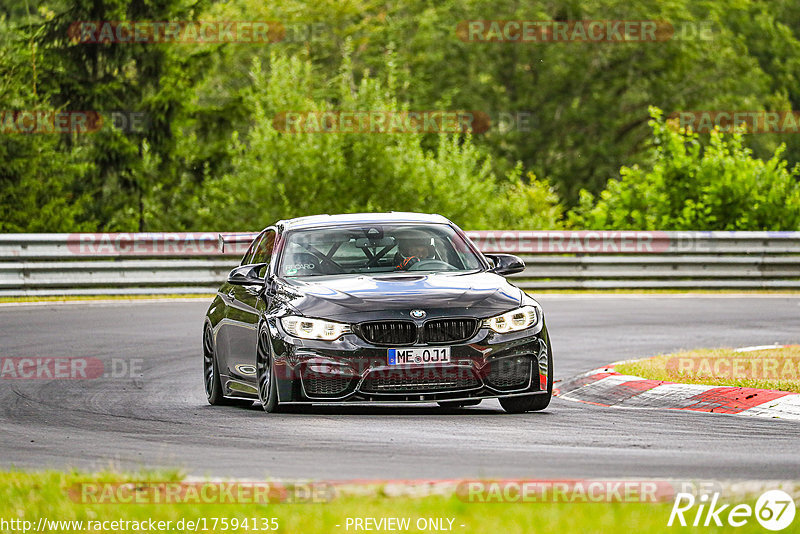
x,y
374,308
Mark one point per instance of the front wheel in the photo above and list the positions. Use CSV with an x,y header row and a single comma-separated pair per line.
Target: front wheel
x,y
531,403
267,387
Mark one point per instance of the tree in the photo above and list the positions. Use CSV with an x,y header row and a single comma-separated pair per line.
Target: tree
x,y
276,174
691,186
37,177
131,171
585,103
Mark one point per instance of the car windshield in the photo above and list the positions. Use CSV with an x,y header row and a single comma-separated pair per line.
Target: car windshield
x,y
376,249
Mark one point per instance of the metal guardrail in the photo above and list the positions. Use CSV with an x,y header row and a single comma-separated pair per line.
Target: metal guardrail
x,y
184,263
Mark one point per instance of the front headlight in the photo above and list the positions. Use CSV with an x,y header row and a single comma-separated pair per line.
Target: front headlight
x,y
306,328
519,319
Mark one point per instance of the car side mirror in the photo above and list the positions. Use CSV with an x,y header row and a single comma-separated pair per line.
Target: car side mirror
x,y
505,264
246,275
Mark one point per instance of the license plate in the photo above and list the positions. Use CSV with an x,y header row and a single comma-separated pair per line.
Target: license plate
x,y
419,355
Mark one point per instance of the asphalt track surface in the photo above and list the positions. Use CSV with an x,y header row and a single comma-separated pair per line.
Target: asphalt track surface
x,y
163,421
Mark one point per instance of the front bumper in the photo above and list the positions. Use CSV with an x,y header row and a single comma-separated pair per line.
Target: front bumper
x,y
351,370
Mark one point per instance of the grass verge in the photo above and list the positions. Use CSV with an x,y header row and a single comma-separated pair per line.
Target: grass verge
x,y
31,496
777,368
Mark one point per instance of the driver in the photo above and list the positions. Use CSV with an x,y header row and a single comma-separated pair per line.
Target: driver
x,y
413,251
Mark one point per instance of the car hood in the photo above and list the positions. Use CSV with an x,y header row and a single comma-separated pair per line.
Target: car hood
x,y
360,298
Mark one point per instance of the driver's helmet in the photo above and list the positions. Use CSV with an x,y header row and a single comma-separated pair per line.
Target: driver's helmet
x,y
416,247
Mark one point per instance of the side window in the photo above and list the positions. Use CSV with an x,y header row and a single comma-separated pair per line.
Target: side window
x,y
263,251
248,257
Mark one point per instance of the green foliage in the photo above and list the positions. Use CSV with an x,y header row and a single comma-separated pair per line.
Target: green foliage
x,y
688,186
586,102
120,174
210,158
277,174
37,178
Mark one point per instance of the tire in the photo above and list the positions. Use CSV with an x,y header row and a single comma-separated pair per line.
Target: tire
x,y
267,387
459,404
212,382
532,403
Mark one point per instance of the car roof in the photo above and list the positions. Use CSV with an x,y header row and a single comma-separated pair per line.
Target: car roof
x,y
361,218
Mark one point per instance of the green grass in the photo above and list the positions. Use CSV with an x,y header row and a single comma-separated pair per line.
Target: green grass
x,y
777,369
45,494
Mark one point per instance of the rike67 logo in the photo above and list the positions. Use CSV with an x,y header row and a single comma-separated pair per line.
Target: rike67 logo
x,y
774,510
